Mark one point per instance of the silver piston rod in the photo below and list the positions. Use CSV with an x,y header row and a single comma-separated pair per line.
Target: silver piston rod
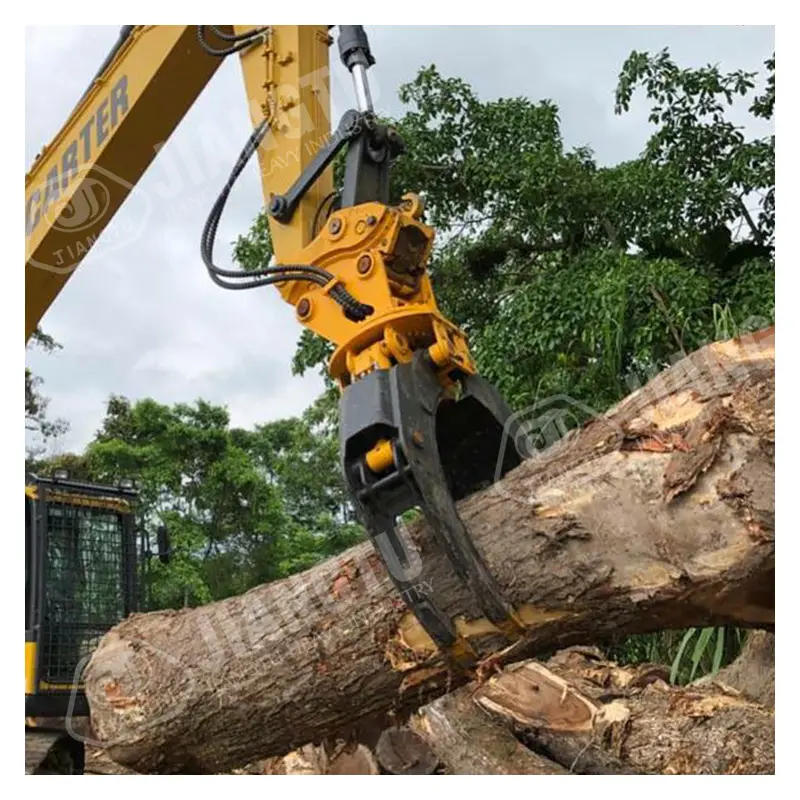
x,y
357,57
361,85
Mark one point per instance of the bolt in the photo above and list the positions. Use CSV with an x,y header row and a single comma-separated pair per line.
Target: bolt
x,y
276,205
304,308
417,438
371,220
335,225
364,264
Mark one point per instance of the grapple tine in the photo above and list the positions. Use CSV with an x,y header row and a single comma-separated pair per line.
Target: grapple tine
x,y
441,451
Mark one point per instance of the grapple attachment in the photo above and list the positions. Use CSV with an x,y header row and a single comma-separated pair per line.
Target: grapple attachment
x,y
436,449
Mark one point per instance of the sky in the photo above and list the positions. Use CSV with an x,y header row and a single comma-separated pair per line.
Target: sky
x,y
145,320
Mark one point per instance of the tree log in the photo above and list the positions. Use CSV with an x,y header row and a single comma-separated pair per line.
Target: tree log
x,y
468,742
594,717
753,671
401,752
659,514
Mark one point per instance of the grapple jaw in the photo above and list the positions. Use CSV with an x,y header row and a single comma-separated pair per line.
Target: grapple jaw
x,y
439,449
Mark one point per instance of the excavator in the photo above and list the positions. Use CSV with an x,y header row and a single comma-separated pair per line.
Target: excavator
x,y
82,575
419,427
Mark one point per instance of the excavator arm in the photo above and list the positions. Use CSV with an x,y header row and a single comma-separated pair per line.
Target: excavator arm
x,y
419,428
148,82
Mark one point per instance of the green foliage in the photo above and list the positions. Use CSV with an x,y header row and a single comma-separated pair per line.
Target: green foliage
x,y
241,507
40,427
254,249
714,167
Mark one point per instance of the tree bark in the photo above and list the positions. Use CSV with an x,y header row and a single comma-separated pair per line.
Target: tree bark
x,y
468,742
593,717
659,514
401,752
753,671
344,759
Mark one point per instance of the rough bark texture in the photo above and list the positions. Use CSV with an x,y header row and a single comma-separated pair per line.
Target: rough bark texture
x,y
659,514
594,717
99,763
400,751
344,759
753,671
468,742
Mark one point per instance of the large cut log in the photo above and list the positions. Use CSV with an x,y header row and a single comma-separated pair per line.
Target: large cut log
x,y
468,742
659,514
594,717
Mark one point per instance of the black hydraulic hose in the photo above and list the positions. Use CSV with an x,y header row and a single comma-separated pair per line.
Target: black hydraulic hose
x,y
266,276
212,223
239,43
236,37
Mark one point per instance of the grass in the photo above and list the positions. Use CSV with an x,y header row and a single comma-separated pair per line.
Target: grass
x,y
690,654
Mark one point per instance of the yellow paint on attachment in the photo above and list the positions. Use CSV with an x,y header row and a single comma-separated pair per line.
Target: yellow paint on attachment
x,y
381,457
30,667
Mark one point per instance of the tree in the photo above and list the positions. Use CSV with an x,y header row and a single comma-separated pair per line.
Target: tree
x,y
576,278
301,456
41,428
713,168
242,507
222,516
592,277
